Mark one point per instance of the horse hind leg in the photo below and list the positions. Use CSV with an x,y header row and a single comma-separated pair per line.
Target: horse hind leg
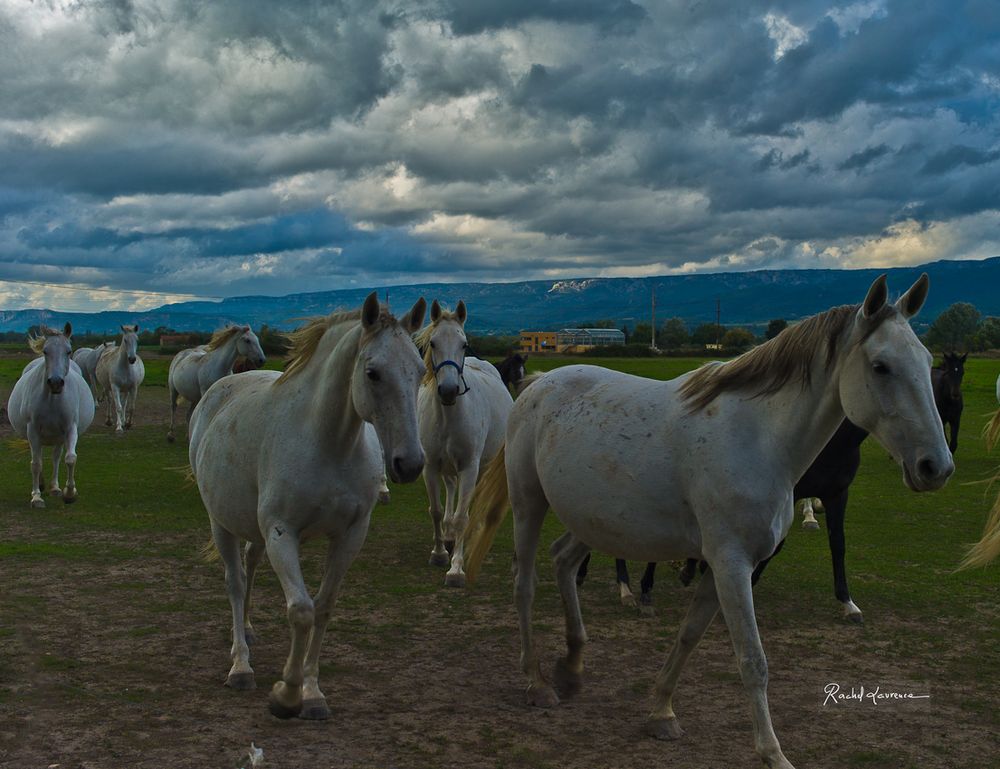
x,y
251,555
809,521
465,487
240,675
529,509
54,489
624,586
35,441
439,554
836,507
69,494
567,554
173,414
646,587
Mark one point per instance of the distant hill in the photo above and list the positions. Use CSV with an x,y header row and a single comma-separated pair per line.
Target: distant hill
x,y
746,298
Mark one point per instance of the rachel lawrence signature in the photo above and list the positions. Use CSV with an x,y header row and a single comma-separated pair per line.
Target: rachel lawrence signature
x,y
834,695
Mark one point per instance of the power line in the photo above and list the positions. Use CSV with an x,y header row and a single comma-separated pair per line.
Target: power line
x,y
71,287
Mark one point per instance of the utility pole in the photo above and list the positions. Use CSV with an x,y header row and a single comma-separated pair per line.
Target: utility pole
x,y
718,321
652,344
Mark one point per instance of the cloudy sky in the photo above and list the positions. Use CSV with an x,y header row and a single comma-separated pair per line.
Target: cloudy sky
x,y
156,150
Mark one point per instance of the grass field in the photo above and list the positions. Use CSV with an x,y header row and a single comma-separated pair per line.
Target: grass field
x,y
114,634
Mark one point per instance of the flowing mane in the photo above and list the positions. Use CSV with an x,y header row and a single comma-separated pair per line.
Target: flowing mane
x,y
423,342
305,341
223,335
786,358
37,343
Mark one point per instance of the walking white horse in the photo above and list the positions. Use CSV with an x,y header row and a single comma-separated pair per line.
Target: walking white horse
x,y
51,405
702,466
119,373
462,411
282,457
86,358
194,370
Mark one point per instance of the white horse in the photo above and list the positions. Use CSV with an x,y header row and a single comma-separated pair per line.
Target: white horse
x,y
702,466
86,358
194,370
51,405
462,411
119,373
283,457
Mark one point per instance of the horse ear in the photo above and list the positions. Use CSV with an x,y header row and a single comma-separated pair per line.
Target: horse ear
x,y
122,327
68,330
137,328
461,313
435,311
370,310
966,355
877,296
414,319
909,304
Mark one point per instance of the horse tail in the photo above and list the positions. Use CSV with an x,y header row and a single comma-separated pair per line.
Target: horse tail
x,y
209,552
487,510
987,548
992,430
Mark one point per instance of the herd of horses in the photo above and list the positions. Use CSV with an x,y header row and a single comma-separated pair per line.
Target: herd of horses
x,y
279,457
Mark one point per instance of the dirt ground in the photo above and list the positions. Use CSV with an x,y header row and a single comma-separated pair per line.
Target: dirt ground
x,y
92,680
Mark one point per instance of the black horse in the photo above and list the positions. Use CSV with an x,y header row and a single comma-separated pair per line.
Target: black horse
x,y
946,380
512,369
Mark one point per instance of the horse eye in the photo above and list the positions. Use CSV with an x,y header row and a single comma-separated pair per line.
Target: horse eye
x,y
880,368
373,375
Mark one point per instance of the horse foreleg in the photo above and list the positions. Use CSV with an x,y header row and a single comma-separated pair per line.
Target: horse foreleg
x,y
439,555
119,410
54,489
450,502
466,486
646,585
251,556
240,674
339,556
130,405
69,494
662,722
953,440
285,700
567,554
735,596
35,441
836,507
173,413
624,588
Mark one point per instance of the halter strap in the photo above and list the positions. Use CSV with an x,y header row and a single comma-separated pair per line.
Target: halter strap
x,y
460,369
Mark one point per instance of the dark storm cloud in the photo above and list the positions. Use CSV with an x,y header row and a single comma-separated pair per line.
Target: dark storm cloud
x,y
275,147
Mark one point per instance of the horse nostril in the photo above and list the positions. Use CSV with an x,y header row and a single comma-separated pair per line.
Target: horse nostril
x,y
926,468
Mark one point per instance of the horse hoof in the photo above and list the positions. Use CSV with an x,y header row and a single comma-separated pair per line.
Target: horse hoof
x,y
55,492
541,696
567,682
69,499
810,525
241,682
664,728
170,438
439,559
384,497
38,504
280,710
454,580
314,710
857,619
628,601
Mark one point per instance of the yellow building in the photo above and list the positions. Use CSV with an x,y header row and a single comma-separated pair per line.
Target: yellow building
x,y
538,341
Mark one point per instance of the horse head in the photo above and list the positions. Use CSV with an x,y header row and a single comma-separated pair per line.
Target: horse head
x,y
248,346
56,349
130,342
885,385
953,369
445,349
387,373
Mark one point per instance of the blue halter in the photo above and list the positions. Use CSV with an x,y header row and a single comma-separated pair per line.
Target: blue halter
x,y
460,369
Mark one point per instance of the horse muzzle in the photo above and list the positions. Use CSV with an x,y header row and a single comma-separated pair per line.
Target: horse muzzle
x,y
55,385
928,473
406,468
131,360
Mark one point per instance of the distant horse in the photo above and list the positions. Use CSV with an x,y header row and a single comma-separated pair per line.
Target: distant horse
x,y
512,370
245,364
624,587
51,405
947,381
701,466
86,358
119,373
194,370
281,457
462,411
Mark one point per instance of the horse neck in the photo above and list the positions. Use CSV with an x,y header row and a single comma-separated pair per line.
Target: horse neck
x,y
325,391
219,361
